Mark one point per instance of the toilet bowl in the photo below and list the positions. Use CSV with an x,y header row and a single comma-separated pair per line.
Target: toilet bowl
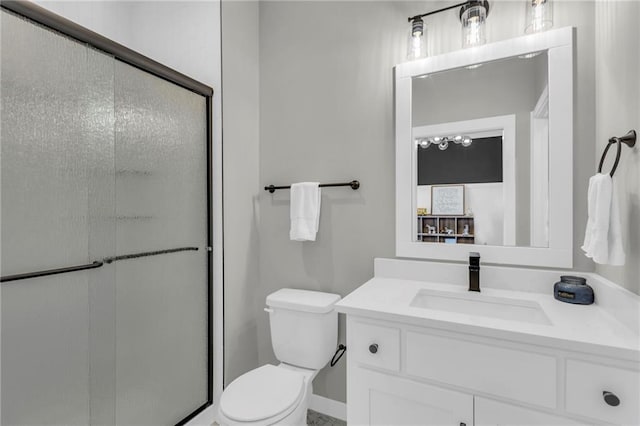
x,y
304,333
268,395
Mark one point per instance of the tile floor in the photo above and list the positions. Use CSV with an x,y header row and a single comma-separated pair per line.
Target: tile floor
x,y
317,419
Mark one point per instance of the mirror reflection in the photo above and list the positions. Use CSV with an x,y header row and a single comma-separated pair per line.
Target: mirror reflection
x,y
480,138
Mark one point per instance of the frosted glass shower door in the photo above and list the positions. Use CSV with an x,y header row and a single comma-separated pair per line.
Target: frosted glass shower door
x,y
161,204
101,164
57,189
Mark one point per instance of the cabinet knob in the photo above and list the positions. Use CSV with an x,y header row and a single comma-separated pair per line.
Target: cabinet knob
x,y
373,348
611,398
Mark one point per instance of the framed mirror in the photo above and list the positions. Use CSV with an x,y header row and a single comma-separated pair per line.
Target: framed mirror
x,y
484,161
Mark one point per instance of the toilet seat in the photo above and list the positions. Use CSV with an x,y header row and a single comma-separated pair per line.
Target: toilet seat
x,y
263,393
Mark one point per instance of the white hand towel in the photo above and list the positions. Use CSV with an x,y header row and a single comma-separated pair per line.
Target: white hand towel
x,y
305,211
603,235
595,244
616,250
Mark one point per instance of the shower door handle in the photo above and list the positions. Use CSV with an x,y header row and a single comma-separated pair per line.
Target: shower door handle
x,y
47,272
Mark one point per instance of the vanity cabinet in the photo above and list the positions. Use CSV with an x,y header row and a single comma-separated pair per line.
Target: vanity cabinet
x,y
493,413
404,374
382,399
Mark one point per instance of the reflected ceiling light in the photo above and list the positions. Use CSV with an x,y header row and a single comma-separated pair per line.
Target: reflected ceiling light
x,y
529,55
443,141
539,16
473,14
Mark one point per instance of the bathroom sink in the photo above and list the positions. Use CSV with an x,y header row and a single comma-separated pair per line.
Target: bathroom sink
x,y
478,304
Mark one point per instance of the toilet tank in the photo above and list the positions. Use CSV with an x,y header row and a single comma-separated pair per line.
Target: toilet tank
x,y
304,326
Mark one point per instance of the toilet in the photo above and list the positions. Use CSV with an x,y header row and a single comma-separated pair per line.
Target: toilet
x,y
304,335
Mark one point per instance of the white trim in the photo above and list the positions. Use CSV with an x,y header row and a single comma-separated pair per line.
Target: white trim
x,y
559,45
502,125
539,182
218,277
328,406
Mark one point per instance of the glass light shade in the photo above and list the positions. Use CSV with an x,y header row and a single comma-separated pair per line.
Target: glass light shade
x,y
473,26
539,16
417,47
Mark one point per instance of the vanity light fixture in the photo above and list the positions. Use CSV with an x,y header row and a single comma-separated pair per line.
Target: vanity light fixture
x,y
473,14
443,141
417,47
539,16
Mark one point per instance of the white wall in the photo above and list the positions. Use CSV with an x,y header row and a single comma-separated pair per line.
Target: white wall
x,y
618,110
110,18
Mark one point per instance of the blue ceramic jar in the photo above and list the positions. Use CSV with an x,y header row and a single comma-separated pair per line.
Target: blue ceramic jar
x,y
573,289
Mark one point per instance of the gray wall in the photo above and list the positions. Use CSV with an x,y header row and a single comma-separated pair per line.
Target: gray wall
x,y
326,114
240,57
618,110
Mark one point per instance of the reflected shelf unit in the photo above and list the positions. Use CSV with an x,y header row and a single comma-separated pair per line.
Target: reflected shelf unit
x,y
442,222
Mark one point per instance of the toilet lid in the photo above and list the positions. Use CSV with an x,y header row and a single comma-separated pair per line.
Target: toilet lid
x,y
261,393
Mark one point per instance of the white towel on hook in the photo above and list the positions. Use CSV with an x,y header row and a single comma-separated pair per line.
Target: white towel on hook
x,y
305,211
603,235
616,250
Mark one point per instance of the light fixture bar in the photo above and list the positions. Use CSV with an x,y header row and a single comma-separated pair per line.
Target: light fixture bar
x,y
436,11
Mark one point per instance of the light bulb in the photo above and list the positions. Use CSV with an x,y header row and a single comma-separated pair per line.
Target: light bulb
x,y
473,16
424,143
443,145
457,138
416,48
467,141
437,139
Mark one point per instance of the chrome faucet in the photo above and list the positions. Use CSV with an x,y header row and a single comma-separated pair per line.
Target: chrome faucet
x,y
474,271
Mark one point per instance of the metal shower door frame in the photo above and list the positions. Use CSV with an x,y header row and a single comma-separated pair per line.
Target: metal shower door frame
x,y
123,54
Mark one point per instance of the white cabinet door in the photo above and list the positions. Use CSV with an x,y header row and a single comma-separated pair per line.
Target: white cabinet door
x,y
382,399
494,413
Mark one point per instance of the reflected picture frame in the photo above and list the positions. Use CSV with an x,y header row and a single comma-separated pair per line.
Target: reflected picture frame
x,y
447,200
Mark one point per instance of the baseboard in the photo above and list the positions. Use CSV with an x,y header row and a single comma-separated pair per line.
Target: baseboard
x,y
328,406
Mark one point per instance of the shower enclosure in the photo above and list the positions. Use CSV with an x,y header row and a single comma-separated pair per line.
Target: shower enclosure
x,y
105,232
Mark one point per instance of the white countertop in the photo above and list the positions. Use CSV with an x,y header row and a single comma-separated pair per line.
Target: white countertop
x,y
583,328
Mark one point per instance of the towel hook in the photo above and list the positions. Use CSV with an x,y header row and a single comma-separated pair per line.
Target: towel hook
x,y
629,139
